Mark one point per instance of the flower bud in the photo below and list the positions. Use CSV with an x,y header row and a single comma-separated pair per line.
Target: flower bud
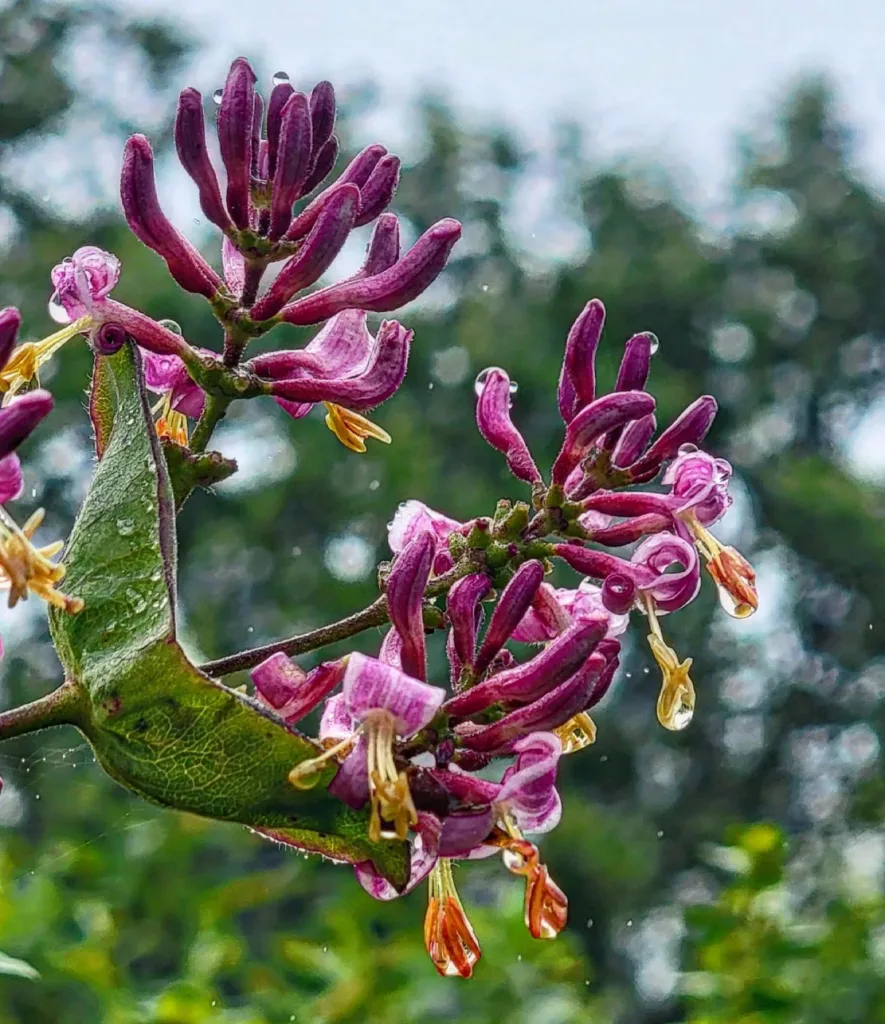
x,y
577,380
514,602
405,597
378,191
190,143
293,162
496,426
235,119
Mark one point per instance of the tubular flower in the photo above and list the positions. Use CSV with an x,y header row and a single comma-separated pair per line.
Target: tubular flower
x,y
733,575
675,707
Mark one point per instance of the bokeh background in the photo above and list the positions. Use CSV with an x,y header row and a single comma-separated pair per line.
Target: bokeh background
x,y
715,174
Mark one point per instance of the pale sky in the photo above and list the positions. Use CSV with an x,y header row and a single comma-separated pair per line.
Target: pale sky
x,y
672,78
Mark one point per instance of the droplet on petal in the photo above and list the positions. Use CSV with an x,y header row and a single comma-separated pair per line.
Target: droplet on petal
x,y
280,78
171,325
655,344
216,97
57,311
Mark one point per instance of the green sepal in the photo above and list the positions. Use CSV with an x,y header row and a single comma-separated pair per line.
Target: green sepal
x,y
158,725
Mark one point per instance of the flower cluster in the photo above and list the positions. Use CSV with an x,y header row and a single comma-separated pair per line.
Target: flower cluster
x,y
275,158
419,755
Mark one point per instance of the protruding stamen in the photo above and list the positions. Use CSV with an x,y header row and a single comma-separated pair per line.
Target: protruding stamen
x,y
577,733
351,428
677,697
448,935
546,905
389,794
23,365
172,424
306,774
733,575
25,568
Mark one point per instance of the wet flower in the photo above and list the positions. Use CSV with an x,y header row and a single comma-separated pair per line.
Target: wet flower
x,y
26,569
411,518
676,699
555,608
83,279
448,935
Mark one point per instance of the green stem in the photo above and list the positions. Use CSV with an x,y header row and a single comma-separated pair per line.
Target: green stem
x,y
65,706
374,615
213,413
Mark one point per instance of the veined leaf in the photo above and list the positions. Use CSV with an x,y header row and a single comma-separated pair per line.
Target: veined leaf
x,y
158,725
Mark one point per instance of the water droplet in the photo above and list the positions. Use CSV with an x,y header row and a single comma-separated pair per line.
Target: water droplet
x,y
57,311
660,833
485,287
136,600
280,78
513,860
655,343
250,629
519,956
630,923
216,96
681,717
125,527
514,387
687,449
374,485
325,949
731,606
589,922
430,386
171,325
296,551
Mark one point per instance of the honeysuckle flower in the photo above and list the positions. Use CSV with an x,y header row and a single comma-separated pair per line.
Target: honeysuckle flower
x,y
385,705
405,599
83,279
496,426
449,938
676,700
167,375
411,518
556,608
700,483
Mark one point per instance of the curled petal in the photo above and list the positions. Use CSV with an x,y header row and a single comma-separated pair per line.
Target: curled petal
x,y
528,788
190,143
84,279
322,245
424,855
511,607
290,691
404,281
380,379
235,119
337,723
145,217
414,516
340,349
577,381
699,483
689,428
167,373
670,590
462,606
595,420
351,782
369,685
525,683
496,426
405,598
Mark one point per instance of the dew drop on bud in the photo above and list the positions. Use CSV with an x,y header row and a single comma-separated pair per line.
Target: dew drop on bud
x,y
731,606
280,78
687,449
682,716
513,860
171,325
483,376
514,387
655,344
57,311
216,96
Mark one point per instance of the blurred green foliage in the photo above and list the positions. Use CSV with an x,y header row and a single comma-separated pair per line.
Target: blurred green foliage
x,y
131,914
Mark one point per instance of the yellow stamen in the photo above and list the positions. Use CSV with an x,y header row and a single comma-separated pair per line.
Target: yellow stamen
x,y
389,794
677,697
448,935
306,774
172,424
733,575
577,733
25,568
23,365
351,429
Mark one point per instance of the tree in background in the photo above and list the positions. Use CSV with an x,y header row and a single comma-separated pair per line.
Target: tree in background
x,y
131,914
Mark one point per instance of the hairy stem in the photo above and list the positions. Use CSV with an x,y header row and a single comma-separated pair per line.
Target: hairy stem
x,y
374,615
65,706
213,413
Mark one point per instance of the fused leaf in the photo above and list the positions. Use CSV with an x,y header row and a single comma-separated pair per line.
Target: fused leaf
x,y
158,725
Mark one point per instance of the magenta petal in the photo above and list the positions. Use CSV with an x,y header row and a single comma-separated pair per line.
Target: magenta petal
x,y
596,420
657,555
463,831
234,265
496,426
351,782
405,599
462,605
699,483
370,685
11,482
378,191
341,348
20,418
293,161
690,427
10,322
291,692
545,619
322,114
279,97
528,788
412,517
424,854
337,723
235,119
633,441
511,607
190,142
577,381
529,681
384,245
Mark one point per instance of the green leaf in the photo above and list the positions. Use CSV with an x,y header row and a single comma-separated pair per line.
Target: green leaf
x,y
158,725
